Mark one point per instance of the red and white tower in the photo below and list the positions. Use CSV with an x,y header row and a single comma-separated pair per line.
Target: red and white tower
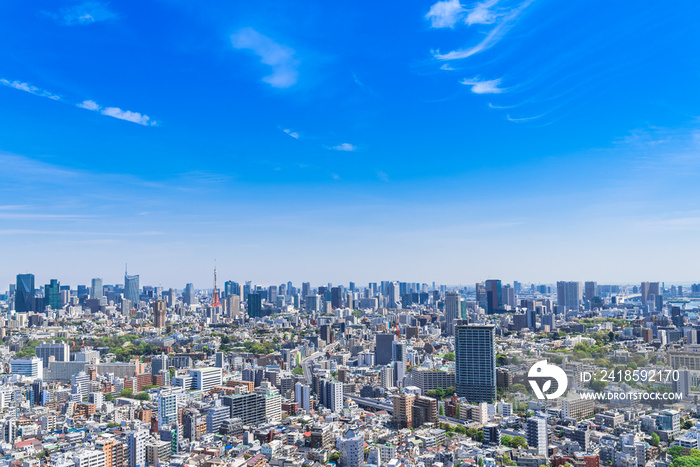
x,y
215,296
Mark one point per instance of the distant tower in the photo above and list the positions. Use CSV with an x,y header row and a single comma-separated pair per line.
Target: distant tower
x,y
215,296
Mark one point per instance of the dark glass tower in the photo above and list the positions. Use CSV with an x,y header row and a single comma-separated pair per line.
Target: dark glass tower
x,y
131,289
475,360
52,295
24,294
254,305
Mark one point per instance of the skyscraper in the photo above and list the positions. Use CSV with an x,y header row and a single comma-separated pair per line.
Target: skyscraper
x,y
159,312
24,294
537,434
96,289
590,290
131,289
452,304
188,296
475,359
52,295
494,299
383,348
336,297
254,305
569,295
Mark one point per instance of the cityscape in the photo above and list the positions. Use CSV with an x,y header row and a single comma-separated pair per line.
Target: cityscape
x,y
434,233
380,374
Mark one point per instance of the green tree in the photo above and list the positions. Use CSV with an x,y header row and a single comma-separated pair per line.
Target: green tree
x,y
441,410
655,440
335,457
298,371
449,356
126,393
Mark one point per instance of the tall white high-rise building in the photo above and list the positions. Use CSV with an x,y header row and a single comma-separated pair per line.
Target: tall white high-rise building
x,y
96,290
136,448
452,311
205,379
351,448
537,434
302,396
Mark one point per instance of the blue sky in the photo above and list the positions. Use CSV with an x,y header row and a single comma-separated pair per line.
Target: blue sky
x,y
334,141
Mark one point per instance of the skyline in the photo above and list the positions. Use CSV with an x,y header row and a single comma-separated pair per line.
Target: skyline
x,y
441,141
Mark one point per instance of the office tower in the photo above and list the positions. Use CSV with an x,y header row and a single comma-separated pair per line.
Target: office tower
x,y
351,447
302,396
305,289
494,298
37,390
537,434
59,350
383,348
136,448
531,319
452,311
159,363
96,290
475,360
331,393
220,360
205,379
216,416
255,305
393,295
159,312
336,297
131,289
648,289
52,295
312,303
233,305
508,294
569,295
517,287
80,384
682,385
188,297
30,367
232,288
327,334
590,290
24,293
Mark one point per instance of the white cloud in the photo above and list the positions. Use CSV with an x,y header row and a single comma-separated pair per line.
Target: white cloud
x,y
89,105
291,133
482,13
382,176
116,112
279,57
484,87
29,88
83,14
344,147
446,67
491,39
335,176
445,14
129,116
523,119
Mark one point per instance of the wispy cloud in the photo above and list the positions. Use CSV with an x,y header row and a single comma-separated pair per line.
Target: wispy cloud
x,y
335,176
292,133
344,147
279,57
484,87
524,119
382,176
116,112
502,25
482,13
30,89
445,14
83,14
